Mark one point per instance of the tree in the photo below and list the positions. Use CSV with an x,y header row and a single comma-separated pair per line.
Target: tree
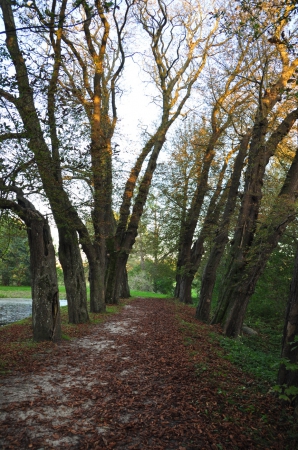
x,y
179,51
228,98
46,156
44,285
222,235
252,245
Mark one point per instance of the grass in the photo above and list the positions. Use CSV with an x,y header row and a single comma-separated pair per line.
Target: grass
x,y
25,292
146,294
15,292
257,355
22,291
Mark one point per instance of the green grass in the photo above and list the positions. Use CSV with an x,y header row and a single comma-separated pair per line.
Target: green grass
x,y
22,291
15,292
25,292
148,294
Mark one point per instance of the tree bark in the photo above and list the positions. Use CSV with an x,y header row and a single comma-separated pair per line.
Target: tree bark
x,y
192,264
44,284
221,238
244,273
116,277
289,377
97,282
124,288
74,276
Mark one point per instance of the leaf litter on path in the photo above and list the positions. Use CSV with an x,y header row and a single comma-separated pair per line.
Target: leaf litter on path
x,y
132,383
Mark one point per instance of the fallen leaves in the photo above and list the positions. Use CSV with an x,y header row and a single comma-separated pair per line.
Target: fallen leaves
x,y
145,390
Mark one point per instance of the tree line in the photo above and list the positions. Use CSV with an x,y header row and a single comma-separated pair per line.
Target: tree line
x,y
232,68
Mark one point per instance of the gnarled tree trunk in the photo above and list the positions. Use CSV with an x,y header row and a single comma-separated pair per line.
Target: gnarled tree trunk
x,y
44,284
74,275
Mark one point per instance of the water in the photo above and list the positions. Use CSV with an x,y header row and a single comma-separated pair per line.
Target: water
x,y
13,309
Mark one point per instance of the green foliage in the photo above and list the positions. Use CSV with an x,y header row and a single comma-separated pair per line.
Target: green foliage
x,y
158,278
252,356
23,292
288,393
138,279
270,298
14,252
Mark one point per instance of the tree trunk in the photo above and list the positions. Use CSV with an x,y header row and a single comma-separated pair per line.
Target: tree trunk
x,y
188,228
208,281
221,238
244,273
245,246
124,288
185,288
44,285
74,276
116,277
289,377
97,286
192,263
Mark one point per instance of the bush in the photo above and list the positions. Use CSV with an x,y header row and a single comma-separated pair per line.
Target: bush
x,y
157,278
140,281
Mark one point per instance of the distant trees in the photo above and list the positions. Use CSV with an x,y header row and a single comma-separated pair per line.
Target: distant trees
x,y
151,265
14,252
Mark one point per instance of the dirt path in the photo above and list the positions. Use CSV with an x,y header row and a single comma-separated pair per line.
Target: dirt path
x,y
128,385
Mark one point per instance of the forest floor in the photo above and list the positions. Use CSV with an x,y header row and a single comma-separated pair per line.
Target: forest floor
x,y
149,377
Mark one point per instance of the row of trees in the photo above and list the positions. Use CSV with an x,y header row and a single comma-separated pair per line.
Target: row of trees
x,y
75,76
233,64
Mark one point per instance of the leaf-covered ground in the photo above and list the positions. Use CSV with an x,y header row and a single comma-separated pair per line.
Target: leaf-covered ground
x,y
149,377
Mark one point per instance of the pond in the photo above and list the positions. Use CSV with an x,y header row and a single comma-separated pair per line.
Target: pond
x,y
13,309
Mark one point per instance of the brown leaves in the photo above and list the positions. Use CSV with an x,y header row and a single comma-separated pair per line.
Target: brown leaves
x,y
143,389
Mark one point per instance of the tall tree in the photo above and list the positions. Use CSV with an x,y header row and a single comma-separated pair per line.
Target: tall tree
x,y
178,54
267,134
22,98
228,100
222,235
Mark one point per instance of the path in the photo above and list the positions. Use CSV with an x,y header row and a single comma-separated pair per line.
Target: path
x,y
128,385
